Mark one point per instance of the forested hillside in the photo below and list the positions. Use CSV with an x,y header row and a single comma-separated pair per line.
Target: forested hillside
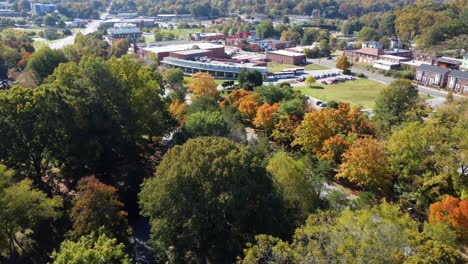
x,y
326,8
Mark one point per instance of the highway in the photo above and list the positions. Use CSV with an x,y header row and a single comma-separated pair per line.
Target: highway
x,y
90,28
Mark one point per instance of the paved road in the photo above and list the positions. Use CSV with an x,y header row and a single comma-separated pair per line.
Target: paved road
x,y
90,28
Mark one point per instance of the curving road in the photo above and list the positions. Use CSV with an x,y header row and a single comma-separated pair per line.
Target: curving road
x,y
90,28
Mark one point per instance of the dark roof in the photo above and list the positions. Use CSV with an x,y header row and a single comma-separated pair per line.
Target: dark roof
x,y
433,68
448,60
459,74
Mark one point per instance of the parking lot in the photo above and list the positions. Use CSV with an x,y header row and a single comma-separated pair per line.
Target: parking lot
x,y
334,78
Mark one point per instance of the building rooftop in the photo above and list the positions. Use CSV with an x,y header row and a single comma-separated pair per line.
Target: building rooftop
x,y
415,62
173,48
393,57
386,62
389,52
191,51
214,65
286,53
370,51
433,68
449,60
459,74
123,28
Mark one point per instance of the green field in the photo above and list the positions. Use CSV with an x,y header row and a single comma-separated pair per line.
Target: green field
x,y
362,92
276,67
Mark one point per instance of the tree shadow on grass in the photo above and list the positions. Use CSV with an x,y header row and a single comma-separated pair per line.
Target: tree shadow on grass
x,y
316,87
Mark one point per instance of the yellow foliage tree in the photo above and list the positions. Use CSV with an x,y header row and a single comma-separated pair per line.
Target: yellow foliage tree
x,y
178,110
202,84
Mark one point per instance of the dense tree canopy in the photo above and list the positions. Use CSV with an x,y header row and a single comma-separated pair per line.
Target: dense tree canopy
x,y
23,208
397,103
91,249
204,188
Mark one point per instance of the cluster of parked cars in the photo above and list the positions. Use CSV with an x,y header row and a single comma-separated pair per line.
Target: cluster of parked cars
x,y
321,104
337,79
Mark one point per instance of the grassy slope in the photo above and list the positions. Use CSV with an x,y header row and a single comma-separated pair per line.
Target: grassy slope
x,y
362,92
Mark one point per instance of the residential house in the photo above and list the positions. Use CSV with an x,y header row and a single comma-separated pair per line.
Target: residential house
x,y
458,81
431,75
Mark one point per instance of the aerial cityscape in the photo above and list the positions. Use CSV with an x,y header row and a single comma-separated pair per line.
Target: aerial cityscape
x,y
243,131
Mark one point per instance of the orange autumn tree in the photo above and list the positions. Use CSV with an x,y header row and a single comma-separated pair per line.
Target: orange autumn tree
x,y
246,102
366,164
333,148
202,84
265,117
452,212
319,126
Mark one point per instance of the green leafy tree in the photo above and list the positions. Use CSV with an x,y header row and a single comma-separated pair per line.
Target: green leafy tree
x,y
207,187
30,131
23,208
44,61
274,93
50,21
250,79
291,180
91,249
96,207
173,76
397,103
265,29
427,161
367,33
309,81
205,123
379,234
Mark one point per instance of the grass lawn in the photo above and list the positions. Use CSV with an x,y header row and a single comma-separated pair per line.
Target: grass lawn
x,y
276,67
315,67
217,81
362,92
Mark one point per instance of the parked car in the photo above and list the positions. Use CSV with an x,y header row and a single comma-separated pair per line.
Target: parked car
x,y
300,78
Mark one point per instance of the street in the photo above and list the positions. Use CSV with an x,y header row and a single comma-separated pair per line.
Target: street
x,y
90,28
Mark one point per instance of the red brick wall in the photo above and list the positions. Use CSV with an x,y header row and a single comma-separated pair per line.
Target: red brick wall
x,y
286,59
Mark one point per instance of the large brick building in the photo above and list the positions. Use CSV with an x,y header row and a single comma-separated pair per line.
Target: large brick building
x,y
217,51
430,75
364,55
458,81
286,57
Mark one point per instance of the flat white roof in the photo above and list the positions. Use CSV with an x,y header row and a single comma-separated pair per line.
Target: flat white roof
x,y
286,53
180,47
393,57
415,62
386,62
